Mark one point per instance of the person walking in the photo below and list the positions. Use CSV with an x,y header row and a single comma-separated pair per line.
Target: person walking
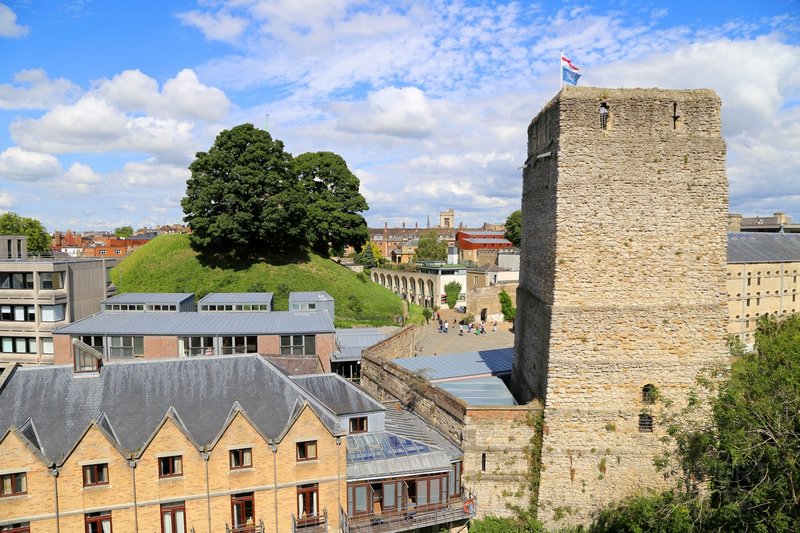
x,y
446,327
494,327
460,329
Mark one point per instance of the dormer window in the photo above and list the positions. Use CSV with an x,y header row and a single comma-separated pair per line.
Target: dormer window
x,y
86,358
358,424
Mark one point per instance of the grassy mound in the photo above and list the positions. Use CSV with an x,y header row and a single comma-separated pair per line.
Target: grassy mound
x,y
168,264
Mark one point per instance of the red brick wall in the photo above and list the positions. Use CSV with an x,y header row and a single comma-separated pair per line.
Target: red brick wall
x,y
160,347
62,350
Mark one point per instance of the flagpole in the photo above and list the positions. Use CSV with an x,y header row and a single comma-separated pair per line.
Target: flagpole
x,y
560,73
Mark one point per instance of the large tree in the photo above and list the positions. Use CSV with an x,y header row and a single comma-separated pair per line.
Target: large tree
x,y
123,232
38,238
243,199
334,205
430,248
514,227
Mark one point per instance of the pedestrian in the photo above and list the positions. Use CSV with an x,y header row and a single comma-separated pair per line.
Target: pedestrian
x,y
438,317
445,327
469,328
460,329
441,326
494,328
483,329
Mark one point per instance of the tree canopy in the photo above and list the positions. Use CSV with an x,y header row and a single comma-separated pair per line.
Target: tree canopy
x,y
430,248
38,238
334,203
123,232
247,198
513,230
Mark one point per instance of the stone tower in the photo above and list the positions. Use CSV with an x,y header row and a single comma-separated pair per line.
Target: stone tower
x,y
447,219
625,212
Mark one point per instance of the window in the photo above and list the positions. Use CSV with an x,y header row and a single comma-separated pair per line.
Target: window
x,y
52,313
126,346
483,462
603,116
649,394
307,450
454,480
95,474
307,503
194,346
232,345
298,345
645,423
748,281
118,251
170,466
173,517
358,424
16,280
98,522
357,499
102,252
243,512
19,527
13,484
241,458
18,313
17,345
47,345
51,280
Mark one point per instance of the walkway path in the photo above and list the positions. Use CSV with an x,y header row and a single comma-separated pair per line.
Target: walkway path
x,y
430,342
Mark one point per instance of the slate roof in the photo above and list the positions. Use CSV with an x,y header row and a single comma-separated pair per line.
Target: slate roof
x,y
494,362
763,247
149,298
236,298
133,399
337,394
480,391
202,323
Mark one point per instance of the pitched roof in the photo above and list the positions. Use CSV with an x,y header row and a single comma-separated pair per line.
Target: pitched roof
x,y
336,393
314,296
763,247
205,323
135,398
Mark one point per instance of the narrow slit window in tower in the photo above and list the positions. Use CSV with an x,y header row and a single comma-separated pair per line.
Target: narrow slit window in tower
x,y
604,116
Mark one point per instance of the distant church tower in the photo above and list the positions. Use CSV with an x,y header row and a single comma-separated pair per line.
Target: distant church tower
x,y
622,282
447,219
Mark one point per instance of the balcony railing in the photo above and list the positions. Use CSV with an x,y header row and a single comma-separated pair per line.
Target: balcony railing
x,y
457,510
247,528
311,524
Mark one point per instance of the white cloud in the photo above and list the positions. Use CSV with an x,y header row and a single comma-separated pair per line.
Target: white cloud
x,y
81,178
403,112
8,24
34,90
20,165
220,26
149,173
7,200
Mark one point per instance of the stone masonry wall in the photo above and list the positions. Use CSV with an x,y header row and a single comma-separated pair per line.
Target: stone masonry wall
x,y
489,298
401,344
607,302
495,439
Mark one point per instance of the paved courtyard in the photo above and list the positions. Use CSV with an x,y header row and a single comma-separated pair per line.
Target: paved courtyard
x,y
431,342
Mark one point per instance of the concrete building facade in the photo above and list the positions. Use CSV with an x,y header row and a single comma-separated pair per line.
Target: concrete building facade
x,y
609,310
41,293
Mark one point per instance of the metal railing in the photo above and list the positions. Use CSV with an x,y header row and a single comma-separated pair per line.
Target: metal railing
x,y
311,524
247,528
457,510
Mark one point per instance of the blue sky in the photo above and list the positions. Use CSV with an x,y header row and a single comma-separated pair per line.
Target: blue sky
x,y
103,104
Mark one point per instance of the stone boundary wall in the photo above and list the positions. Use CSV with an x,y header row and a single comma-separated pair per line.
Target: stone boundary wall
x,y
489,298
496,440
400,345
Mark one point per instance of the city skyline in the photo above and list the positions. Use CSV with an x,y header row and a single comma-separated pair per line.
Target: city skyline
x,y
102,107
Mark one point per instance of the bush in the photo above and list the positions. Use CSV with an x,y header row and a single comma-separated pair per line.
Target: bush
x,y
354,304
427,313
363,278
453,291
508,309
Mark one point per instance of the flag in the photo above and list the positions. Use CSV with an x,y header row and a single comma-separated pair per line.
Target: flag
x,y
569,71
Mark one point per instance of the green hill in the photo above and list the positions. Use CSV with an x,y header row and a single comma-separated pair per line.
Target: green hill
x,y
168,264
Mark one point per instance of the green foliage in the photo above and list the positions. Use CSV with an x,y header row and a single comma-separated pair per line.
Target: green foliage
x,y
430,248
370,255
354,304
453,291
740,469
123,232
735,346
427,313
38,238
243,199
362,277
493,524
469,318
333,201
168,264
513,230
662,513
507,307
